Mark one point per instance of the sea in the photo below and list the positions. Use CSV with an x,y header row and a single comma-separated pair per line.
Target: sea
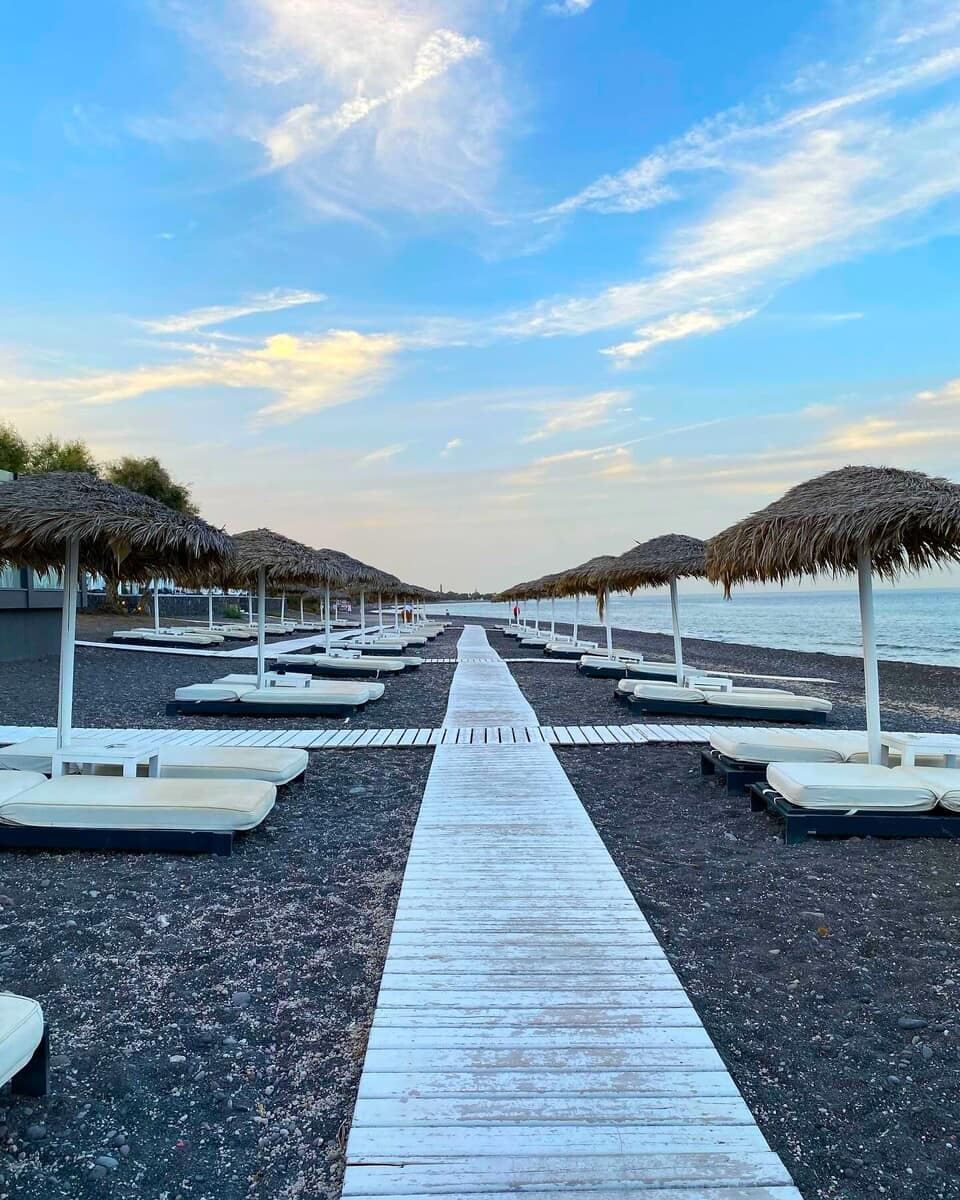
x,y
913,624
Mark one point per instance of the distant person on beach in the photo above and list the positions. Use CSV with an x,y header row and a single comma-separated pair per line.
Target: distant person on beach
x,y
516,612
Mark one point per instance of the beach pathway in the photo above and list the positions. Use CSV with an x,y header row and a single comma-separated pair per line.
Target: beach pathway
x,y
530,1034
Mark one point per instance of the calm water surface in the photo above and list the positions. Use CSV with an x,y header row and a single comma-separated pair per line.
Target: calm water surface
x,y
912,625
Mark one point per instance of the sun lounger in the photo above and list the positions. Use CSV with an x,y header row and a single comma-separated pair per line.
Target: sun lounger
x,y
603,667
238,695
136,637
757,704
856,800
568,649
24,1047
335,666
278,765
95,813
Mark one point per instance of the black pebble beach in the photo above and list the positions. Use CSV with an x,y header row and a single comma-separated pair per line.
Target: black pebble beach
x,y
209,1016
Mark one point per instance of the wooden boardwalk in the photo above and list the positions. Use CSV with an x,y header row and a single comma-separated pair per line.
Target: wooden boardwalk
x,y
530,1035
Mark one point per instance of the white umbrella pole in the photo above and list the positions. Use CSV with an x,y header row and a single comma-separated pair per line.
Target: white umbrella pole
x,y
283,607
553,618
250,606
606,618
301,609
261,623
68,643
677,642
576,618
210,608
396,612
536,619
156,606
326,612
380,610
363,617
871,676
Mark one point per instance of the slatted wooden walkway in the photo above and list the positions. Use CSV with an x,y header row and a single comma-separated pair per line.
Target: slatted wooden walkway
x,y
530,1035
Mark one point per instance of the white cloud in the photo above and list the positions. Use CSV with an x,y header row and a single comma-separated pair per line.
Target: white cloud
x,y
570,8
304,375
453,444
571,415
360,104
383,454
674,328
217,314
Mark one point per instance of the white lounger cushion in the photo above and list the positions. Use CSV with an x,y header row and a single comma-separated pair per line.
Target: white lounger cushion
x,y
21,1031
627,687
371,664
212,691
91,801
276,765
310,698
340,691
840,787
761,698
773,745
14,781
943,781
668,691
206,639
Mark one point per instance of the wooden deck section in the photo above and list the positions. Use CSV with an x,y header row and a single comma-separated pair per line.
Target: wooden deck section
x,y
530,1035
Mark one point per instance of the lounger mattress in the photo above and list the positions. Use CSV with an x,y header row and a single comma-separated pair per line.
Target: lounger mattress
x,y
763,746
21,1031
93,802
841,787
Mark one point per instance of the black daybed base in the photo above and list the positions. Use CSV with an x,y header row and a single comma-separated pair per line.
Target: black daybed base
x,y
233,708
723,712
174,841
735,776
802,823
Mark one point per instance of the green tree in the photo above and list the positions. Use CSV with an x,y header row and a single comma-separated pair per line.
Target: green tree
x,y
14,451
50,454
149,477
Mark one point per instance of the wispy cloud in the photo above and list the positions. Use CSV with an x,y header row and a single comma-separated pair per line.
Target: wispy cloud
x,y
383,454
453,444
571,415
570,8
217,314
303,374
671,329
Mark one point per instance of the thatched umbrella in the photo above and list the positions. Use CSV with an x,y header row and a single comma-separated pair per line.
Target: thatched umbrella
x,y
662,560
580,580
272,558
344,571
72,522
862,519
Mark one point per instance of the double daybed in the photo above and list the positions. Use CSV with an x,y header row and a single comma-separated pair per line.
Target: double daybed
x,y
758,704
94,813
347,666
238,695
24,1046
623,664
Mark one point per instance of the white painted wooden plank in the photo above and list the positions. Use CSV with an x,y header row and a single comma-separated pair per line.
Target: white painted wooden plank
x,y
578,736
435,736
380,738
407,737
337,739
648,1010
562,735
538,1086
366,737
534,1039
422,738
321,740
491,1109
401,1060
393,737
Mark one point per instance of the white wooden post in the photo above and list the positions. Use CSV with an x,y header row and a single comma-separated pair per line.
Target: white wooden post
x,y
249,606
301,608
553,618
68,640
576,618
536,618
396,612
677,642
210,608
156,606
261,623
606,618
283,606
363,618
871,677
380,610
326,613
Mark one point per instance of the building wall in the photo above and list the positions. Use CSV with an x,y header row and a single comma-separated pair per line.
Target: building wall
x,y
27,633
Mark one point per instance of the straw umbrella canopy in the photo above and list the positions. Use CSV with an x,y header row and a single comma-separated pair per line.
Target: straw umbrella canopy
x,y
270,557
857,519
341,570
655,563
72,521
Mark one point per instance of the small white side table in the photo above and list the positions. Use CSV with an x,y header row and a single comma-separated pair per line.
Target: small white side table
x,y
710,683
126,755
289,679
909,745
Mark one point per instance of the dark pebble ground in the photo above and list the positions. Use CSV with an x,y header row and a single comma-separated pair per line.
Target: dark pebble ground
x,y
825,973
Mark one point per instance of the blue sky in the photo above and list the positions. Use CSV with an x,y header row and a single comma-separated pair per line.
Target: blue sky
x,y
475,289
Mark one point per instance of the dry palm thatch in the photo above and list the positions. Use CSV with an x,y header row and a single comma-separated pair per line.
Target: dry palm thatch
x,y
584,579
656,562
905,520
121,533
285,561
